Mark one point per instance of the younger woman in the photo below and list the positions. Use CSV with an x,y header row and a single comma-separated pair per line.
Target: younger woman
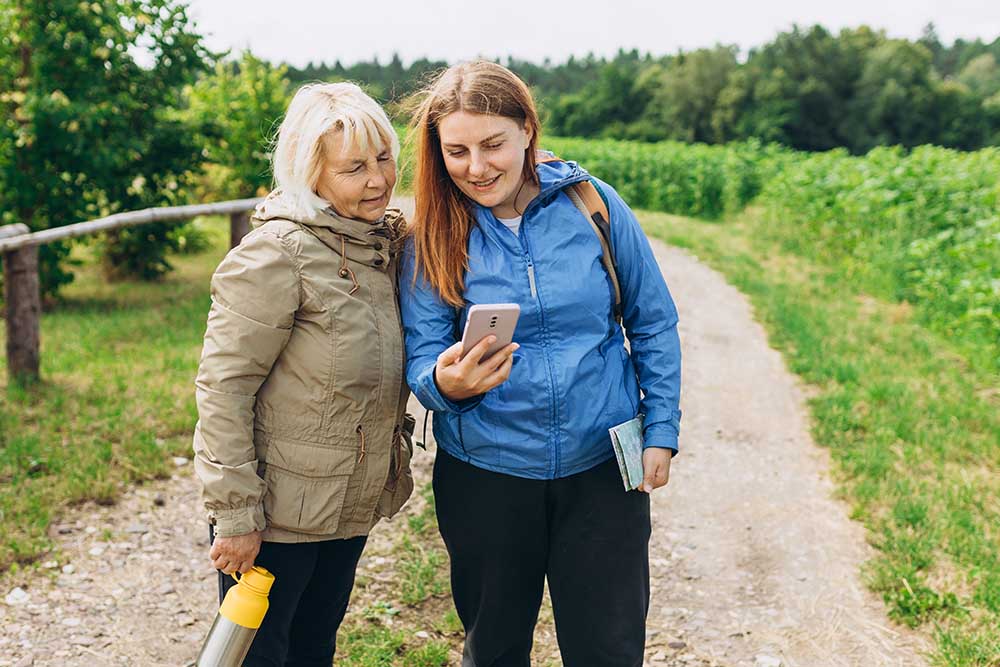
x,y
525,480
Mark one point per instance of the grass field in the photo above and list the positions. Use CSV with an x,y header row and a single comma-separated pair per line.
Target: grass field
x,y
912,425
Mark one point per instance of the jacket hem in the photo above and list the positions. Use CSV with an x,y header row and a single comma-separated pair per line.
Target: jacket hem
x,y
345,531
565,469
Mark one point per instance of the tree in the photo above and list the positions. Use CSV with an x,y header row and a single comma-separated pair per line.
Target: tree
x,y
895,100
683,93
89,129
606,105
796,89
981,75
235,111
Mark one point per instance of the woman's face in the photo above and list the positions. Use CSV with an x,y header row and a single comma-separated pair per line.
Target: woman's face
x,y
484,155
357,184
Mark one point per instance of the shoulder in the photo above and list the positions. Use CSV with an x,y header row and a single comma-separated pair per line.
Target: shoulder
x,y
287,236
618,208
272,249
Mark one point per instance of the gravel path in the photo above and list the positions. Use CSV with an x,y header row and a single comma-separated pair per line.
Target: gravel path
x,y
754,563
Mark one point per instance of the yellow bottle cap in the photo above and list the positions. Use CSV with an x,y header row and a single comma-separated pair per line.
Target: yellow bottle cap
x,y
246,603
258,579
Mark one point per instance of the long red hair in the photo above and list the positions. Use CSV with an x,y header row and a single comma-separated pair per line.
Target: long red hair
x,y
444,215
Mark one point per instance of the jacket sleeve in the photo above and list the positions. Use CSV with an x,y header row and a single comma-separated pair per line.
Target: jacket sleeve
x,y
255,294
429,328
650,320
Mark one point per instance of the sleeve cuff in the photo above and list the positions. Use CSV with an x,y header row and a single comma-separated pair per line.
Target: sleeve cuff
x,y
238,521
660,435
432,398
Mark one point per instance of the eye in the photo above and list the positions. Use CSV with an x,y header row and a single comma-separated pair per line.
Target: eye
x,y
493,146
357,168
456,152
383,157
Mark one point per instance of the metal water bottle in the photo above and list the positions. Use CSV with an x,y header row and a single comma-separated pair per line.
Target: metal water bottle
x,y
237,622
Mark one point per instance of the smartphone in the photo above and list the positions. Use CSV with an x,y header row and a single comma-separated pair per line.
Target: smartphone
x,y
498,319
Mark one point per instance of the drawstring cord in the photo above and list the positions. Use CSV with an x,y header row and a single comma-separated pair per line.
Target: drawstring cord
x,y
361,454
397,436
345,271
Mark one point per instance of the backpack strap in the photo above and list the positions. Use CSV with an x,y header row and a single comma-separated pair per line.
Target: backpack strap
x,y
587,198
590,201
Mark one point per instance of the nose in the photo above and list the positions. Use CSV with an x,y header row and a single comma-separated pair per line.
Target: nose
x,y
376,179
477,164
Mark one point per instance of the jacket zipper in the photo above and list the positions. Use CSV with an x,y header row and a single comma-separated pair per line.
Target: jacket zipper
x,y
553,409
531,277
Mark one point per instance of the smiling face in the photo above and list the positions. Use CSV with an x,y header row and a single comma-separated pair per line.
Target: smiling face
x,y
484,155
358,184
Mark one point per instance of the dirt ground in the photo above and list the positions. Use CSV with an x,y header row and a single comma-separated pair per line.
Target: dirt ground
x,y
754,563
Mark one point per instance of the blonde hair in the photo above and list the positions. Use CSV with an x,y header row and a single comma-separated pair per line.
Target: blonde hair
x,y
316,110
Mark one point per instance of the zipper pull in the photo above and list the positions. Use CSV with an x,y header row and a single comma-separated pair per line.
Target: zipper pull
x,y
531,279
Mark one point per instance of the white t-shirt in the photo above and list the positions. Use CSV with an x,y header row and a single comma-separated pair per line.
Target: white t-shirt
x,y
513,224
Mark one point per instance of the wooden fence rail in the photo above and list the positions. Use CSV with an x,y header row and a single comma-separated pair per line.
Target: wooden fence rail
x,y
19,248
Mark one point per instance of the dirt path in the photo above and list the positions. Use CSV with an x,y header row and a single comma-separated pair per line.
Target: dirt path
x,y
753,562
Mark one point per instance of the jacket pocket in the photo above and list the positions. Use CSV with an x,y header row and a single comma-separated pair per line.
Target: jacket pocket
x,y
306,486
399,483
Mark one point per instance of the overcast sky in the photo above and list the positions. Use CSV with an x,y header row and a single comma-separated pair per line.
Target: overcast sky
x,y
299,31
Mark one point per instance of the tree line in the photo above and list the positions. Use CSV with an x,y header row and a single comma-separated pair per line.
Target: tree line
x,y
808,89
114,105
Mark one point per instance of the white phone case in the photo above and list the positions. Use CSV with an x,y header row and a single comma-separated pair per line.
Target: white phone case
x,y
499,319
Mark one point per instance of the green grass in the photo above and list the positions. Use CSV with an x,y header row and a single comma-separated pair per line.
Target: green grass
x,y
116,398
913,427
423,563
416,601
374,645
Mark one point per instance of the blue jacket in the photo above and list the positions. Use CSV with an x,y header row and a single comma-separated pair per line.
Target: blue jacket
x,y
572,377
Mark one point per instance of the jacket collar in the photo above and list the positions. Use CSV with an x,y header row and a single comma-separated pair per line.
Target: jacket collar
x,y
288,207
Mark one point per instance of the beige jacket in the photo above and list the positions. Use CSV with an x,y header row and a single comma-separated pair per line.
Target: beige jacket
x,y
300,390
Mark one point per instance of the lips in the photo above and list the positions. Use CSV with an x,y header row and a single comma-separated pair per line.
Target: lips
x,y
375,200
485,185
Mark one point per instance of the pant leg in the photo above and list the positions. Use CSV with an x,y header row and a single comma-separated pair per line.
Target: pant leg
x,y
494,527
323,603
292,566
598,568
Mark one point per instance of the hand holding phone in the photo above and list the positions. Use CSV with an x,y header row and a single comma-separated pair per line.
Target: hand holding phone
x,y
462,372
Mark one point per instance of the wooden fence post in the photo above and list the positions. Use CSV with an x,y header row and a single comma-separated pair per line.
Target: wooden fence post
x,y
24,307
239,226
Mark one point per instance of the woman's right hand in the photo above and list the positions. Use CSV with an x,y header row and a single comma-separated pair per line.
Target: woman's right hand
x,y
235,554
459,378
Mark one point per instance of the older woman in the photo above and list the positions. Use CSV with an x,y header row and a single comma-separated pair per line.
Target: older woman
x,y
302,443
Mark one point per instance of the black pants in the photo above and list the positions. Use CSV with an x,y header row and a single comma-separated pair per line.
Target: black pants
x,y
506,534
312,585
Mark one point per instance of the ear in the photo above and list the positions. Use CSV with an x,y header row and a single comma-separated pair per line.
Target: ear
x,y
529,133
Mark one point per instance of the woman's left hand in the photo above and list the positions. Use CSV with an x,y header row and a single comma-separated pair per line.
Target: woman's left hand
x,y
655,468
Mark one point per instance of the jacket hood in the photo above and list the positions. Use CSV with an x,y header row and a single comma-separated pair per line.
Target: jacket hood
x,y
286,206
554,176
